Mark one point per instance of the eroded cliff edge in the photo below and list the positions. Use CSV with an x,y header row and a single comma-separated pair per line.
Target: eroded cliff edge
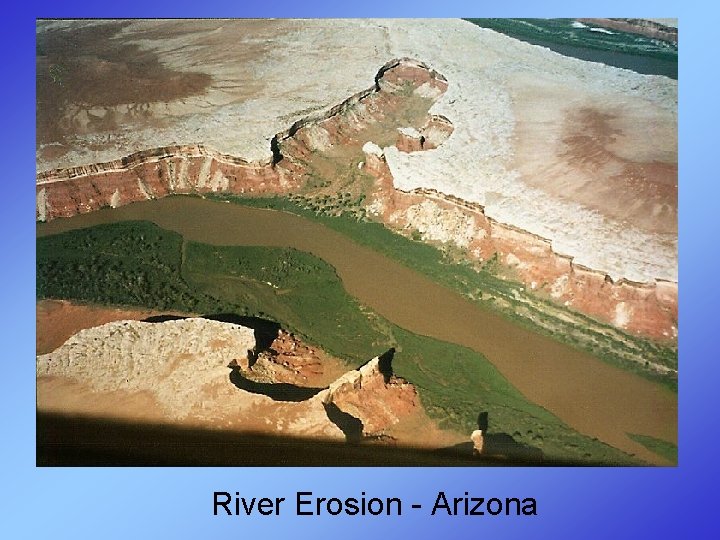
x,y
302,153
207,373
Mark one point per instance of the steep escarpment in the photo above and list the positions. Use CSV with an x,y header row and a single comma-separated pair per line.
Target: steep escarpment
x,y
150,174
648,309
356,394
327,153
510,104
186,169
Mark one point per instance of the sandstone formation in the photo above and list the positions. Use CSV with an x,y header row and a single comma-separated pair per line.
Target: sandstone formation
x,y
373,395
517,155
289,360
648,309
181,366
151,174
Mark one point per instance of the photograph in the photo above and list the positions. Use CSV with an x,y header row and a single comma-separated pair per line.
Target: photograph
x,y
356,242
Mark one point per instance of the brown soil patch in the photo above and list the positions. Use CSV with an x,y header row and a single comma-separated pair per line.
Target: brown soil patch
x,y
88,68
57,320
419,431
617,157
648,189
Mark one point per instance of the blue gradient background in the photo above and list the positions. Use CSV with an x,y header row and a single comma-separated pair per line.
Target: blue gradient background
x,y
177,503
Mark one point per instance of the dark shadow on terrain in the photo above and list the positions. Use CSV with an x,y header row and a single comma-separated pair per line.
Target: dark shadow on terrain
x,y
265,330
483,421
163,318
352,427
499,445
385,364
275,391
64,440
502,446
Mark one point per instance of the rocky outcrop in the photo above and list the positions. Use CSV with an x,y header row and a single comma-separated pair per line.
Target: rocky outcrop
x,y
373,395
188,169
182,367
648,308
478,441
432,134
409,140
149,175
176,361
289,360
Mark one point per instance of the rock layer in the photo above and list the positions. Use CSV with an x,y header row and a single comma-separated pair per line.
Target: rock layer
x,y
376,397
148,175
664,29
646,306
649,309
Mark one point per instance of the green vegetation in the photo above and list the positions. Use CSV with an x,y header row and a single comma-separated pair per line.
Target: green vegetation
x,y
292,287
139,264
125,264
662,448
485,286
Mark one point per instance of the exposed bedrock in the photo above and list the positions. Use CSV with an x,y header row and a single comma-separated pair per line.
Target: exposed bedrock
x,y
180,368
149,175
196,168
373,395
431,135
648,308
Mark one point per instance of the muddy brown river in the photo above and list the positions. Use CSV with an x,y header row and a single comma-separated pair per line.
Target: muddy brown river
x,y
591,396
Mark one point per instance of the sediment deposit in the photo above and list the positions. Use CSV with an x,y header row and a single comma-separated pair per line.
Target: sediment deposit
x,y
499,165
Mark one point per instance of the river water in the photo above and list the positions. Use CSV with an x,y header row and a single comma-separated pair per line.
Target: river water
x,y
591,396
590,42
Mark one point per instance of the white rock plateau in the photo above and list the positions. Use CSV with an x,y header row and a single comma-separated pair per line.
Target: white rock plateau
x,y
502,93
183,365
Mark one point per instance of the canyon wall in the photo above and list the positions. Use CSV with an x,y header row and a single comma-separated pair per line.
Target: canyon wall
x,y
666,30
151,174
646,308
